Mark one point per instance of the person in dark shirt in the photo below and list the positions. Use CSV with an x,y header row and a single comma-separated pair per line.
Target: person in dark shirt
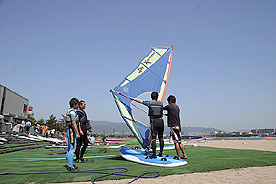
x,y
82,127
174,123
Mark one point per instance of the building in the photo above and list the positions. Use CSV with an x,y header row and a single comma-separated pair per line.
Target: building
x,y
265,131
14,108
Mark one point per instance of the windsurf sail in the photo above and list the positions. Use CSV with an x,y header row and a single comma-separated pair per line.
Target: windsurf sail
x,y
151,74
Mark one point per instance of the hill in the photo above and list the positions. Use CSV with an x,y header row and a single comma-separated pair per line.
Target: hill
x,y
107,127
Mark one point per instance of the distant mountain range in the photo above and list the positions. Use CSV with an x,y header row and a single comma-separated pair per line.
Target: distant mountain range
x,y
107,127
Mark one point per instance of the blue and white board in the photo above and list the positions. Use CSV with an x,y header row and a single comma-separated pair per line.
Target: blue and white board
x,y
139,156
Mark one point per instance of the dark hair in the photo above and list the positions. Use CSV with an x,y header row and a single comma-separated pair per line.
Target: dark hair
x,y
154,95
172,99
82,101
73,101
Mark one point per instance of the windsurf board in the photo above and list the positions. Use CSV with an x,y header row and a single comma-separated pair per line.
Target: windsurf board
x,y
139,156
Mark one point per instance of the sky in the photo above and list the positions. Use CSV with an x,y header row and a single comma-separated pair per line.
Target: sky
x,y
224,61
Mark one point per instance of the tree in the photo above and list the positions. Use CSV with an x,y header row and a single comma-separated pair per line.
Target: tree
x,y
60,127
41,121
51,123
31,118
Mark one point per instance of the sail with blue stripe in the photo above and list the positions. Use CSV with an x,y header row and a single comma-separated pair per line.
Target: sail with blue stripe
x,y
151,74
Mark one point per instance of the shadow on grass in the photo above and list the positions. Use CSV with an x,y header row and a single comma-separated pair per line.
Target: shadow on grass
x,y
116,158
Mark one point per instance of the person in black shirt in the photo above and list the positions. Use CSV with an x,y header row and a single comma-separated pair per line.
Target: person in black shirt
x,y
175,126
82,127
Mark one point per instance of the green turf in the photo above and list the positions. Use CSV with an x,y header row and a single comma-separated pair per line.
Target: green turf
x,y
201,159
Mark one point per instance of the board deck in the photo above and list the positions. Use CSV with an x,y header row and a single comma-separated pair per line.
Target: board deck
x,y
139,156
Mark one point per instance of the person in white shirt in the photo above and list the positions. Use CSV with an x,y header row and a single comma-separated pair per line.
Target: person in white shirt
x,y
27,127
22,126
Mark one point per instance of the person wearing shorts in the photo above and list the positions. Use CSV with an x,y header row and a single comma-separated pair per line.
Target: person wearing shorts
x,y
175,126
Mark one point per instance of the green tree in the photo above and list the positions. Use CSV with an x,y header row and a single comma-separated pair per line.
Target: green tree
x,y
61,128
41,121
61,125
31,118
51,122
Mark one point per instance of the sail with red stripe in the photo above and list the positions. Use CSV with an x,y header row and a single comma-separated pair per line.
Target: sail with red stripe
x,y
151,74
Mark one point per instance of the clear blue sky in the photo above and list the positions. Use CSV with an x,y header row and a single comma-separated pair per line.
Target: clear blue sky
x,y
224,63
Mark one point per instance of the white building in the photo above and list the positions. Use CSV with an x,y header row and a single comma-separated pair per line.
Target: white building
x,y
14,108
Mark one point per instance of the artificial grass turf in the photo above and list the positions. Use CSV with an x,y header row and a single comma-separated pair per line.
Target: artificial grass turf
x,y
200,159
